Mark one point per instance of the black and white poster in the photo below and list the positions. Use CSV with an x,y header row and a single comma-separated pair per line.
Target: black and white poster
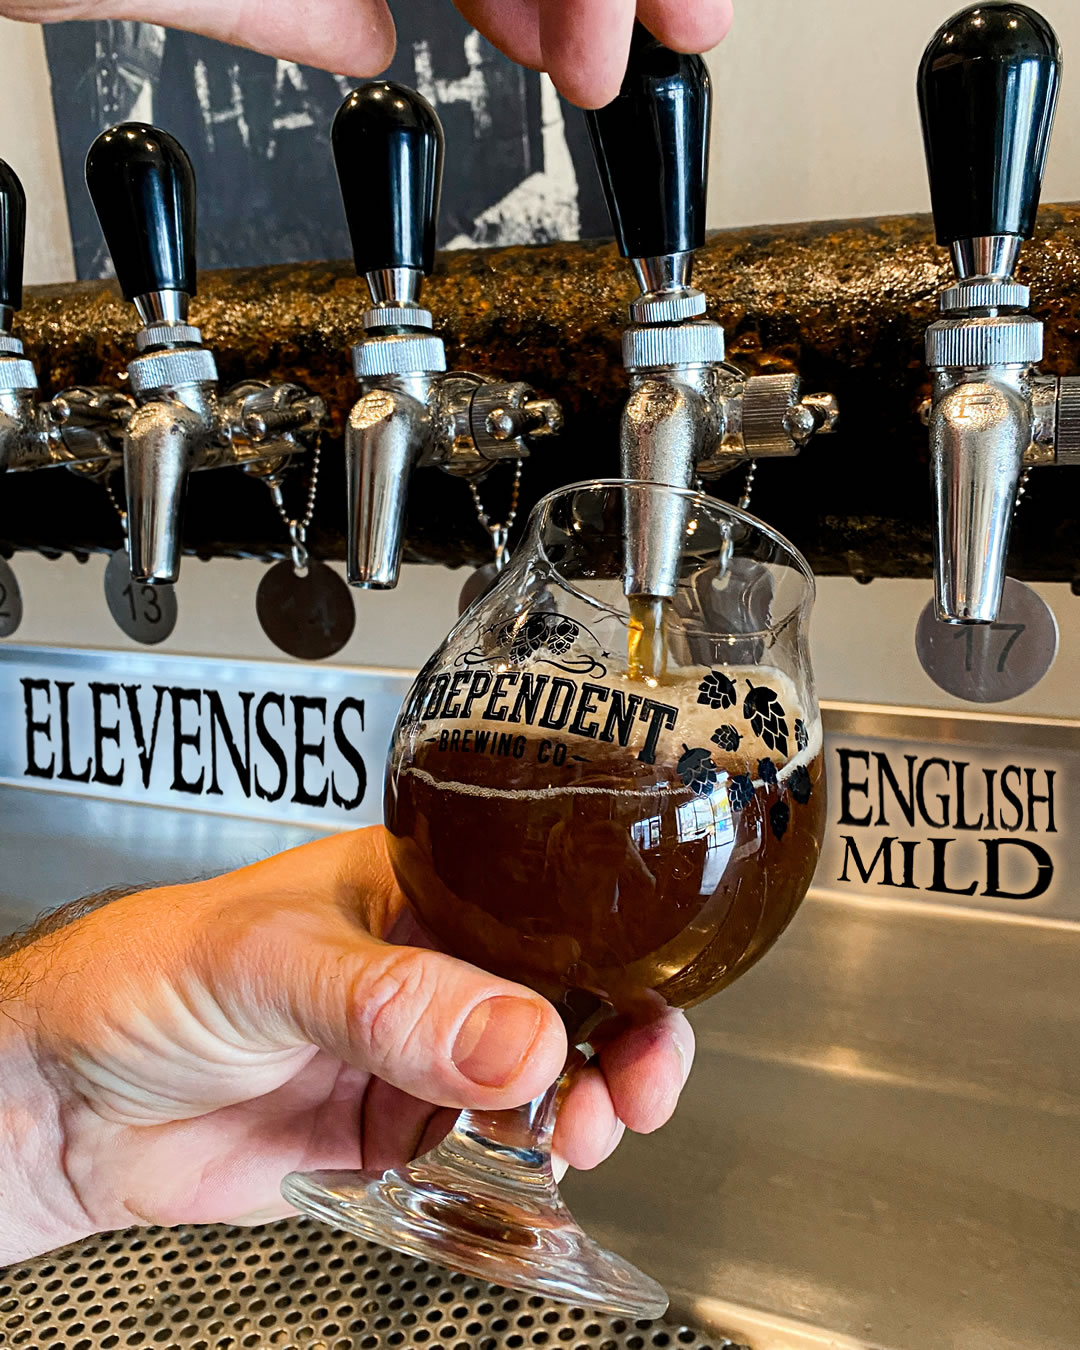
x,y
518,164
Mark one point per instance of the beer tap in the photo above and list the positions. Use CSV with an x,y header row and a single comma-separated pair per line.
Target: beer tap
x,y
143,189
689,414
79,429
412,413
988,86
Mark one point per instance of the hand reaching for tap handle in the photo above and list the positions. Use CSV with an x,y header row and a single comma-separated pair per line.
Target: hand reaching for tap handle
x,y
582,44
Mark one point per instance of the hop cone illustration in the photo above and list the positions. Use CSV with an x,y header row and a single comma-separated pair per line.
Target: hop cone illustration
x,y
726,737
697,771
765,714
539,632
800,784
767,771
779,816
740,791
802,736
716,690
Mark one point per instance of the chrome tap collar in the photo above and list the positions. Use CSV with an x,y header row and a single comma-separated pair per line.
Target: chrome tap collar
x,y
171,369
396,316
17,375
650,347
10,345
984,293
167,335
667,306
974,342
398,354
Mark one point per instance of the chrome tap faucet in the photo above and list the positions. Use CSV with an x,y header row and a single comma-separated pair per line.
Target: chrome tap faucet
x,y
79,429
412,412
988,86
143,188
689,414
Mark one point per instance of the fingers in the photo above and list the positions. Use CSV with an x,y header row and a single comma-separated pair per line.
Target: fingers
x,y
349,37
511,25
436,1028
687,27
646,1069
634,1081
584,45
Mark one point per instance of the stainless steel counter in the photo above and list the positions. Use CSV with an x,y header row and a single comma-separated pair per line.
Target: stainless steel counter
x,y
55,847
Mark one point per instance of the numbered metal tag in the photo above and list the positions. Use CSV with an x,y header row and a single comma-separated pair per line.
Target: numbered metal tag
x,y
308,614
144,612
11,606
990,662
478,583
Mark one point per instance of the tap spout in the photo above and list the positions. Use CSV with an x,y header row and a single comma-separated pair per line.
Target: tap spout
x,y
385,436
979,432
162,442
663,428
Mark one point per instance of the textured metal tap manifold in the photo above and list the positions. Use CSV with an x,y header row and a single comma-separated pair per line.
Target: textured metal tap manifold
x,y
847,304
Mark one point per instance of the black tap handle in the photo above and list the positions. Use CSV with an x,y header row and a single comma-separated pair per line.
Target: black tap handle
x,y
652,149
12,237
988,87
388,148
143,188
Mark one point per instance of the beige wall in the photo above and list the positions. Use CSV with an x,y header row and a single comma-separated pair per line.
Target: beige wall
x,y
815,118
815,114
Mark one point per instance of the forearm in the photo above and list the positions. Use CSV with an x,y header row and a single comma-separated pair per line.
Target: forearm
x,y
40,1209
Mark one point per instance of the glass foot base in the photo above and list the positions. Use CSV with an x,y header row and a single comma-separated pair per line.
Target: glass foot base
x,y
524,1237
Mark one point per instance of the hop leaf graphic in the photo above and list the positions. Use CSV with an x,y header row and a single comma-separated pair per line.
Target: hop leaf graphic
x,y
740,791
698,771
726,737
716,690
767,771
802,736
779,816
539,632
765,714
800,784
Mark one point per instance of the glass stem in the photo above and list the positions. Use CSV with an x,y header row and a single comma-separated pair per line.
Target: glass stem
x,y
496,1156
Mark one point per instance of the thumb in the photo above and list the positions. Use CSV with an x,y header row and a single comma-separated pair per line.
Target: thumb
x,y
437,1028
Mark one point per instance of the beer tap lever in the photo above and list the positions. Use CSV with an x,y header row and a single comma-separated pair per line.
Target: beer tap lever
x,y
143,188
388,148
987,86
45,435
689,414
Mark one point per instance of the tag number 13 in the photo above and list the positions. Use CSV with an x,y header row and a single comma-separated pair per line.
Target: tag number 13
x,y
151,610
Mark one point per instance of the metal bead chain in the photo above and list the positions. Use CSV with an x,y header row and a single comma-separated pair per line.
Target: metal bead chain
x,y
748,486
1021,490
119,509
298,527
499,531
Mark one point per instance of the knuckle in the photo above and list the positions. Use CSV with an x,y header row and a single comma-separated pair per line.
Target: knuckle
x,y
389,1006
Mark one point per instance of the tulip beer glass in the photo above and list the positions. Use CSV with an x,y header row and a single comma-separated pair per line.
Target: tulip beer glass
x,y
618,802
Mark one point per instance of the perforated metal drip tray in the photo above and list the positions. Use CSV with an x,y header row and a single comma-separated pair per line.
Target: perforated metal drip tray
x,y
292,1285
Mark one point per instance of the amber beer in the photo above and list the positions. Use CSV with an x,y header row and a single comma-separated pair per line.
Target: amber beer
x,y
600,872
